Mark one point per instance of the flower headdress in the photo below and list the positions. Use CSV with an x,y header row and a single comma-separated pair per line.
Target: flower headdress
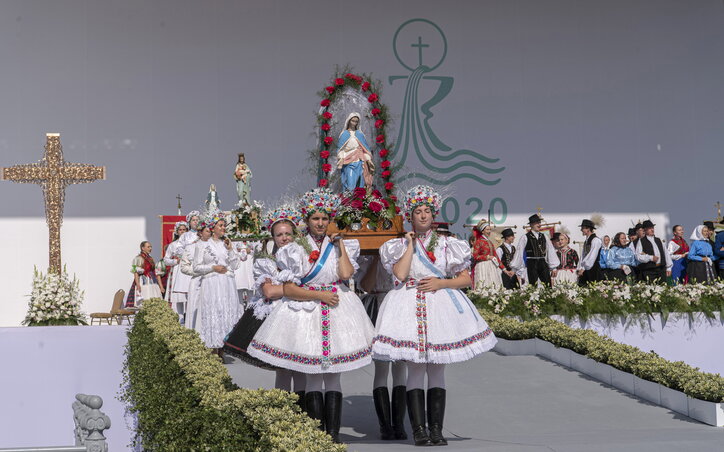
x,y
193,213
210,218
178,225
284,212
421,195
319,200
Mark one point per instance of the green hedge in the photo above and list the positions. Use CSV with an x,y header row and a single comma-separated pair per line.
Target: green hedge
x,y
649,366
184,398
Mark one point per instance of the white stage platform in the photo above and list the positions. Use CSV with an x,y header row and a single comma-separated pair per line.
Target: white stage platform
x,y
98,251
43,368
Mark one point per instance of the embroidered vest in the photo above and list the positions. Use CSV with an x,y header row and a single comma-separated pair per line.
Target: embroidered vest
x,y
587,249
507,256
536,247
648,248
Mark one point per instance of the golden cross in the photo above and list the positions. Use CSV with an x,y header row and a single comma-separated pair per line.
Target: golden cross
x,y
53,174
540,210
718,211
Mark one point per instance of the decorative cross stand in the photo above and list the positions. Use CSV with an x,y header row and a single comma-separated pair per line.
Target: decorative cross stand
x,y
53,174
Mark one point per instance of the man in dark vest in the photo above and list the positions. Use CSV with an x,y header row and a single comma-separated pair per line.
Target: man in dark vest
x,y
541,258
505,253
589,267
638,233
654,262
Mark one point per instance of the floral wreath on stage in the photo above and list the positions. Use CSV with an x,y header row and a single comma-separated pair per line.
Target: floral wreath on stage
x,y
319,200
421,195
371,89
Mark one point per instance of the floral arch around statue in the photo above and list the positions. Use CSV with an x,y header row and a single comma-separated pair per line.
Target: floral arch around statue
x,y
369,214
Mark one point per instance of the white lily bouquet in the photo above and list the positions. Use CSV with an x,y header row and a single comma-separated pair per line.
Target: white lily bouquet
x,y
55,300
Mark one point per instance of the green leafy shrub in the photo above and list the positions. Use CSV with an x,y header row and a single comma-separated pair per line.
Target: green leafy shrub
x,y
184,399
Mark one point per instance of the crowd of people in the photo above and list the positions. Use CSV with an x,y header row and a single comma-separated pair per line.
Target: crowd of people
x,y
318,308
636,256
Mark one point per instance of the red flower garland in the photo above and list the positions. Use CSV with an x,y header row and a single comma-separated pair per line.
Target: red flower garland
x,y
365,84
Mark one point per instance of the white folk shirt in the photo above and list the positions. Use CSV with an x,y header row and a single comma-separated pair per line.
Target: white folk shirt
x,y
589,259
643,258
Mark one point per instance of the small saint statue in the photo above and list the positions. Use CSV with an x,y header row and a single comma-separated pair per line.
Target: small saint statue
x,y
242,176
212,200
354,157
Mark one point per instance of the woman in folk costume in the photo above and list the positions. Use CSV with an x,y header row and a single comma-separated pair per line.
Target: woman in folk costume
x,y
354,157
218,307
620,259
186,267
678,249
171,259
426,319
179,285
487,265
268,291
146,284
701,257
323,330
568,257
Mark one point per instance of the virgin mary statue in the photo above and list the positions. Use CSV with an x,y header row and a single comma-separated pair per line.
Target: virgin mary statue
x,y
354,157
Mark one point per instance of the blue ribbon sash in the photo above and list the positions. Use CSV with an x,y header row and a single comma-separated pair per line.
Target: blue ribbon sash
x,y
436,271
320,263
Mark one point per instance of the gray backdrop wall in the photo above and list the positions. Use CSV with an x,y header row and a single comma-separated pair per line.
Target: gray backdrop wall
x,y
588,105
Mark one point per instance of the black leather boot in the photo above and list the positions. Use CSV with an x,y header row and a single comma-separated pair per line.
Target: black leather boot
x,y
435,415
333,414
398,411
416,410
381,396
314,403
300,402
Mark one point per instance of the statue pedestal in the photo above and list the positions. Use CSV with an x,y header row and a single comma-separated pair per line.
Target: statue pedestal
x,y
371,240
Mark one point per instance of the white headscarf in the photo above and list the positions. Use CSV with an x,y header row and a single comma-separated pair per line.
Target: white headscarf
x,y
346,123
697,235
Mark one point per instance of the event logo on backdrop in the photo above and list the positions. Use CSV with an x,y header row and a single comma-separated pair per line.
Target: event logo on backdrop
x,y
420,46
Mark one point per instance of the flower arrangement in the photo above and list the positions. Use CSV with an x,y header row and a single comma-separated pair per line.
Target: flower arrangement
x,y
245,220
365,203
371,88
55,300
605,297
319,200
421,195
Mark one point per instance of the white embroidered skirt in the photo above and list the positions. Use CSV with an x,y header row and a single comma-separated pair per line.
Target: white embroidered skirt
x,y
429,327
487,274
312,339
217,308
566,277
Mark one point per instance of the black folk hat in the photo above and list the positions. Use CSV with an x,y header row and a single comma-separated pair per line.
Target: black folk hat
x,y
534,219
631,231
442,227
647,224
587,224
507,233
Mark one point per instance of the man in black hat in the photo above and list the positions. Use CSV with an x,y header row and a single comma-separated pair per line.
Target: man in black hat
x,y
654,262
541,257
442,228
506,252
589,267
